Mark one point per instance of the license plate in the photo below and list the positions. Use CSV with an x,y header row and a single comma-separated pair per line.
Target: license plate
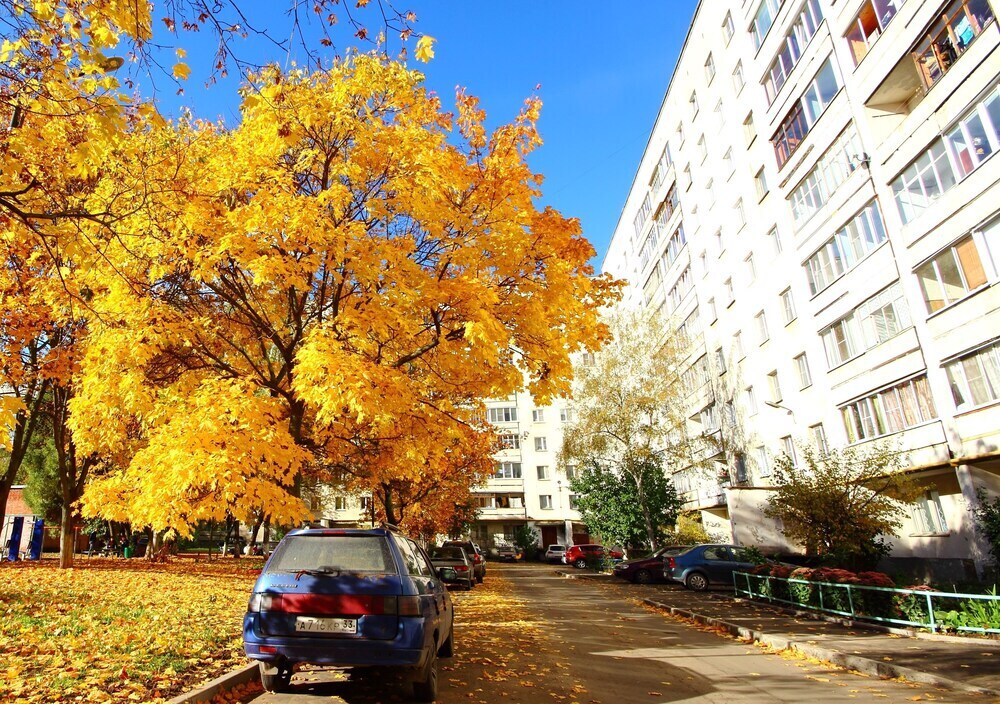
x,y
308,624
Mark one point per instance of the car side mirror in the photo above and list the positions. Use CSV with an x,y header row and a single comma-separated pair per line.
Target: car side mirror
x,y
447,574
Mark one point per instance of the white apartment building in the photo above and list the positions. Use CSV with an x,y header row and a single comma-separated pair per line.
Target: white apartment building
x,y
818,210
528,486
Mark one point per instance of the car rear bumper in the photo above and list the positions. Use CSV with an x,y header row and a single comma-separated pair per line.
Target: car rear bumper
x,y
405,650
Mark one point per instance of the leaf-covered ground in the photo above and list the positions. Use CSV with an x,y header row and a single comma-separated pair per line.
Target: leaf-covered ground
x,y
119,630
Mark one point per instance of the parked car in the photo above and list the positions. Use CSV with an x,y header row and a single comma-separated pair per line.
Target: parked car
x,y
644,570
555,553
350,598
473,551
509,553
577,555
455,558
698,567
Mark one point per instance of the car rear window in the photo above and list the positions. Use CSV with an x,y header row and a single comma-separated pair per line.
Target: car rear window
x,y
447,553
350,553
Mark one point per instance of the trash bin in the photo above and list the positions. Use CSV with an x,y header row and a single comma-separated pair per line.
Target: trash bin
x,y
127,552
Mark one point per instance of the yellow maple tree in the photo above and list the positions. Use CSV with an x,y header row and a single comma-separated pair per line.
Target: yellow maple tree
x,y
336,284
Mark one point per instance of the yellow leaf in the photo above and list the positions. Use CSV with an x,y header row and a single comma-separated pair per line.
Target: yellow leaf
x,y
181,71
425,49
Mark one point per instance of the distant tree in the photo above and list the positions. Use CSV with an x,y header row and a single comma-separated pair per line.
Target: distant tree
x,y
987,517
688,531
631,428
609,502
526,538
840,503
41,477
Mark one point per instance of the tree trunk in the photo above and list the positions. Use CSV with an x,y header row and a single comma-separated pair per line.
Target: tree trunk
x,y
256,529
640,489
387,505
66,542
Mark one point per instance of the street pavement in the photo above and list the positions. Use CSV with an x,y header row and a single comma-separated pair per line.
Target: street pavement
x,y
528,635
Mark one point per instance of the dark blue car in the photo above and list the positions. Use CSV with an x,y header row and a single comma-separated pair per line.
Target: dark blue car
x,y
348,598
698,567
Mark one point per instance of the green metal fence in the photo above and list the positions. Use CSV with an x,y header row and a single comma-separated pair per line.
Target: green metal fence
x,y
934,610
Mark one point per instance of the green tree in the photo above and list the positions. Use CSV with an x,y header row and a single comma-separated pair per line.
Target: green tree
x,y
609,502
630,425
526,538
41,470
987,517
840,503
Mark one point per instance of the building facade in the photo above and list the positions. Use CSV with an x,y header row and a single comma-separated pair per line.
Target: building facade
x,y
818,211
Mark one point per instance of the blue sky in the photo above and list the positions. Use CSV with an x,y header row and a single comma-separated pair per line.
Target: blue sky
x,y
603,69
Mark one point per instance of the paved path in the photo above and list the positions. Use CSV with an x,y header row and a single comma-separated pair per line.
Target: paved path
x,y
528,636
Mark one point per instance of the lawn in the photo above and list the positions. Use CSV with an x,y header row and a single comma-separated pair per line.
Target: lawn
x,y
119,630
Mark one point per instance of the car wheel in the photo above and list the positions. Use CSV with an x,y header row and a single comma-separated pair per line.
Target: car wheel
x,y
447,648
425,689
470,585
579,563
479,578
696,582
643,577
275,679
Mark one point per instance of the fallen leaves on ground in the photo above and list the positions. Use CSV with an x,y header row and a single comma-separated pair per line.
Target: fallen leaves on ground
x,y
119,630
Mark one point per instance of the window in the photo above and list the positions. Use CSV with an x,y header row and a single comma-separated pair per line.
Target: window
x,y
775,387
868,25
802,365
948,38
720,117
928,514
738,345
974,137
640,217
502,415
538,415
749,131
680,133
889,411
366,503
788,305
574,502
340,503
738,80
860,236
510,441
587,359
741,218
727,162
772,236
960,151
730,414
702,148
728,285
833,167
543,472
693,104
841,341
545,501
751,400
975,378
883,316
712,316
763,19
728,28
507,470
709,68
740,471
709,419
760,182
788,447
762,461
751,269
818,436
710,189
791,48
566,415
761,321
541,444
951,274
804,114
720,361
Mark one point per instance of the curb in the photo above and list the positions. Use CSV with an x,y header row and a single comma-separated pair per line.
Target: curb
x,y
876,668
207,692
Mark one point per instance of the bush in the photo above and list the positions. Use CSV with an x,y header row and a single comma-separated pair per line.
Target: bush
x,y
804,594
912,607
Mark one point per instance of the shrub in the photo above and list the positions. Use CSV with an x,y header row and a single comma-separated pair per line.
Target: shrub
x,y
804,594
912,607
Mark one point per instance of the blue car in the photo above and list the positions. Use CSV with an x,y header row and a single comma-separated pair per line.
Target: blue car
x,y
350,598
698,567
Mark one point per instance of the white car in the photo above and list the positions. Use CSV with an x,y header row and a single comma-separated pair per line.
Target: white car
x,y
555,553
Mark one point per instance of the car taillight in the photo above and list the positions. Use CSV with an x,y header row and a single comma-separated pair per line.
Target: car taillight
x,y
669,563
461,568
254,605
322,604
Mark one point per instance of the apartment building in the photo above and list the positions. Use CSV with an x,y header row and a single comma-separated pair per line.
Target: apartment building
x,y
528,486
817,209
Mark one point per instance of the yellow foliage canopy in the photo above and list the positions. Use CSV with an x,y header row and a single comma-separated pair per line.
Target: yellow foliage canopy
x,y
334,285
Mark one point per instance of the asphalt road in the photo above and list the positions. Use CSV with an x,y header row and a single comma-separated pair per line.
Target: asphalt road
x,y
528,636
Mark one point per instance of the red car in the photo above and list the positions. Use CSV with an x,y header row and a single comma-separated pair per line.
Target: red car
x,y
578,555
